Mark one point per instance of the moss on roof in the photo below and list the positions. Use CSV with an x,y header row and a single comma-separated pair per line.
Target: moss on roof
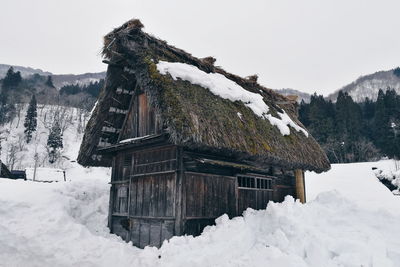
x,y
196,118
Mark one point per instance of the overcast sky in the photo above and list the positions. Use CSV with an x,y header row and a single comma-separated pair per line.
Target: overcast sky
x,y
310,45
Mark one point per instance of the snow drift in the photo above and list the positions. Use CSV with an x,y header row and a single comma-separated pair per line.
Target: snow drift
x,y
64,224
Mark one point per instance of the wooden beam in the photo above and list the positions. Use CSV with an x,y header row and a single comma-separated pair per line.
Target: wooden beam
x,y
300,186
113,64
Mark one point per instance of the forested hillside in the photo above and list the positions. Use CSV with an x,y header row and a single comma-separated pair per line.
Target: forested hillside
x,y
369,85
16,89
353,132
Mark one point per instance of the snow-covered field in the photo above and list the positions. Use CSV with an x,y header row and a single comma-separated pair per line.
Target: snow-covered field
x,y
17,154
350,220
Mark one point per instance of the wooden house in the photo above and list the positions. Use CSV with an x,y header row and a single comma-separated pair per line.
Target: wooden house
x,y
182,155
4,171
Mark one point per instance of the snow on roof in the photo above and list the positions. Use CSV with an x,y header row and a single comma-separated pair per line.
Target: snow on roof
x,y
221,86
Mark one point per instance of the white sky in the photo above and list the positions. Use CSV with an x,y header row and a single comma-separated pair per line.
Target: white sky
x,y
310,45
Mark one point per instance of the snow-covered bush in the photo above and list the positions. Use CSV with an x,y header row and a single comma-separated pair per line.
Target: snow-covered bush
x,y
391,179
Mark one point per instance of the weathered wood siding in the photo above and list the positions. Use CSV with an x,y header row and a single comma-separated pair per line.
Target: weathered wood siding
x,y
150,232
152,196
158,192
207,197
284,186
143,195
142,119
254,191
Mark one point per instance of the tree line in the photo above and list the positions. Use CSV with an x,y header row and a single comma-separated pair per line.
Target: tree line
x,y
15,90
93,88
355,132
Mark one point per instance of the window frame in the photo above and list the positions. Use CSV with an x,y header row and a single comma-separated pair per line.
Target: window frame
x,y
255,182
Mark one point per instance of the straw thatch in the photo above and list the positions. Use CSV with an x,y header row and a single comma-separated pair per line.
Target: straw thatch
x,y
192,116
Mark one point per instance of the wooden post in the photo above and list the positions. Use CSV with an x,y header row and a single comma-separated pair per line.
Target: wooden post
x,y
300,186
179,183
36,157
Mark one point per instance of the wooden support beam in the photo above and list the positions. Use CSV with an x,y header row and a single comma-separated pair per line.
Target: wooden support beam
x,y
117,110
300,186
110,129
108,62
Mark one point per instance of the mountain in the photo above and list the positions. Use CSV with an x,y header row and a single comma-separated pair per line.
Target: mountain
x,y
25,71
369,85
59,80
302,95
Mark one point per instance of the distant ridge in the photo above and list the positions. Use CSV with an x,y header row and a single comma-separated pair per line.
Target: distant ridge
x,y
59,80
369,85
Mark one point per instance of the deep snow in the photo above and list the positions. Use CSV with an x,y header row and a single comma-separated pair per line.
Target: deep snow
x,y
64,224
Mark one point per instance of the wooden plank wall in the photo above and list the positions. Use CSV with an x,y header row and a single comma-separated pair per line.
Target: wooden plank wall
x,y
142,119
284,185
152,196
143,195
253,198
207,197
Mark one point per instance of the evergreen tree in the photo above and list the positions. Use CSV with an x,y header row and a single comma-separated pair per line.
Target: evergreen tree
x,y
7,109
54,142
381,123
348,118
12,79
368,109
30,119
49,82
320,116
396,72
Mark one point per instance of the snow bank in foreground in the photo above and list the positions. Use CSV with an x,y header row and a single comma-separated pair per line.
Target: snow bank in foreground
x,y
221,86
356,181
64,224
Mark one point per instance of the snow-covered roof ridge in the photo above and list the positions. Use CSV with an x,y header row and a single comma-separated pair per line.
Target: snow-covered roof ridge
x,y
221,86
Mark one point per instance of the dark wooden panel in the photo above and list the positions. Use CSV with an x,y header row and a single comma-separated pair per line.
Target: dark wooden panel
x,y
143,115
195,227
149,232
121,194
155,233
144,233
139,196
170,197
255,199
162,199
133,198
189,196
167,230
154,195
154,160
232,199
119,228
146,196
135,232
209,196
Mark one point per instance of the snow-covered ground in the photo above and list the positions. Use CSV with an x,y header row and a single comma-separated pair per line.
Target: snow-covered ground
x,y
350,220
19,155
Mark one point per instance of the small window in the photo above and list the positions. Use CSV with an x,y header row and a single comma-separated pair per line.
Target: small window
x,y
127,166
263,183
127,160
121,200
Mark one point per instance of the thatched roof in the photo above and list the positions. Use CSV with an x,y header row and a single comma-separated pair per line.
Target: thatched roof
x,y
193,116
